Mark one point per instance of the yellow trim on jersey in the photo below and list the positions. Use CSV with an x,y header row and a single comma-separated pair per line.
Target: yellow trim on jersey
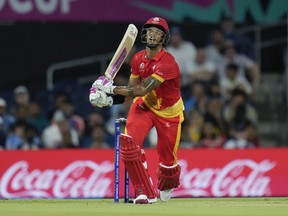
x,y
156,76
134,76
169,112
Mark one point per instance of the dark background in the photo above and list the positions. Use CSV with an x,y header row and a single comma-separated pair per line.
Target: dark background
x,y
28,49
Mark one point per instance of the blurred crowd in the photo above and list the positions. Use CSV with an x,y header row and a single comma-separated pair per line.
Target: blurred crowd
x,y
218,84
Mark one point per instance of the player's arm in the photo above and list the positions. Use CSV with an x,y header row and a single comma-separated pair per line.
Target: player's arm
x,y
119,99
136,88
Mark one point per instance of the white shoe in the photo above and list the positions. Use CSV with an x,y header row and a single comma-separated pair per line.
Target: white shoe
x,y
143,199
166,195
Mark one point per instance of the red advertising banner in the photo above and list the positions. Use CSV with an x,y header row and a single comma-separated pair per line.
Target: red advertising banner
x,y
90,173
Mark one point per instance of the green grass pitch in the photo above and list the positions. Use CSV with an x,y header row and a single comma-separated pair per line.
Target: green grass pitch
x,y
176,206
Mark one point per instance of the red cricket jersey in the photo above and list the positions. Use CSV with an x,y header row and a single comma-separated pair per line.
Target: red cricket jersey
x,y
166,99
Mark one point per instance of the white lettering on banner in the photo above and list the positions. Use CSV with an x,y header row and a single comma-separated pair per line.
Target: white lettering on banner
x,y
237,178
2,4
44,7
21,7
87,179
79,179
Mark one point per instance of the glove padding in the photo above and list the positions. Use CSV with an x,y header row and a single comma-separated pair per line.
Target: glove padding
x,y
104,84
99,98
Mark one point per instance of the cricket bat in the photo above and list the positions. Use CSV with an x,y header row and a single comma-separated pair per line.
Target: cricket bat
x,y
122,52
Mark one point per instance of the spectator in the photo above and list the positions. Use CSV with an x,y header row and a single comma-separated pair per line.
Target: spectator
x,y
193,127
185,139
231,56
183,51
36,118
94,120
196,99
213,50
211,136
22,99
98,138
7,119
238,110
32,138
214,112
243,44
23,136
60,134
214,89
2,134
240,138
59,100
232,81
252,134
21,113
16,137
76,121
202,68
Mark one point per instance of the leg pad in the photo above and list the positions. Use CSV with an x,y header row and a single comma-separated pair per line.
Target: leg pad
x,y
131,155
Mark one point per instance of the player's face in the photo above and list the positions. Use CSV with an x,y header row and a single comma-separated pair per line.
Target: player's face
x,y
154,36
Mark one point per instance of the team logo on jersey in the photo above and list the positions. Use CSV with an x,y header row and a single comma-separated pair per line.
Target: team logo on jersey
x,y
141,66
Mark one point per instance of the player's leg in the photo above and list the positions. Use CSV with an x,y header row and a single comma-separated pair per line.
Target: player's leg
x,y
168,172
137,127
138,124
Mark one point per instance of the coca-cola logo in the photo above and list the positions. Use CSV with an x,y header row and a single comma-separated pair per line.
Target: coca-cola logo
x,y
82,178
87,179
237,178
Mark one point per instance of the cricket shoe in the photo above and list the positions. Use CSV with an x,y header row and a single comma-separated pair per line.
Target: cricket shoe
x,y
165,195
143,199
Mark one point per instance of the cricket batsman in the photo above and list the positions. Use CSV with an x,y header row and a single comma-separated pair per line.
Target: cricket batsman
x,y
154,85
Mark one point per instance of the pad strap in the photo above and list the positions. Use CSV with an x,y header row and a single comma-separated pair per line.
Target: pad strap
x,y
132,157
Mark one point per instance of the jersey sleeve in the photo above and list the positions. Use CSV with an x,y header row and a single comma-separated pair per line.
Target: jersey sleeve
x,y
165,72
134,68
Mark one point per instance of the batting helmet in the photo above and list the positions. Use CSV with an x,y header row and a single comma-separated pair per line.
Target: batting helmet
x,y
159,23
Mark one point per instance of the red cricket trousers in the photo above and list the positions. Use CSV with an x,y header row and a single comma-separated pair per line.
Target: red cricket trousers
x,y
141,119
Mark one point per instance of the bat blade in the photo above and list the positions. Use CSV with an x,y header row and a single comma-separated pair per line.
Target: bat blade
x,y
122,51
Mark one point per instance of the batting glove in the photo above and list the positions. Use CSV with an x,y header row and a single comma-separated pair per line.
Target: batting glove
x,y
104,84
106,89
102,81
99,98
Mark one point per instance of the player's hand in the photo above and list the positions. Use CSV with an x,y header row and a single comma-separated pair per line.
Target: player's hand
x,y
99,98
103,81
106,89
104,84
